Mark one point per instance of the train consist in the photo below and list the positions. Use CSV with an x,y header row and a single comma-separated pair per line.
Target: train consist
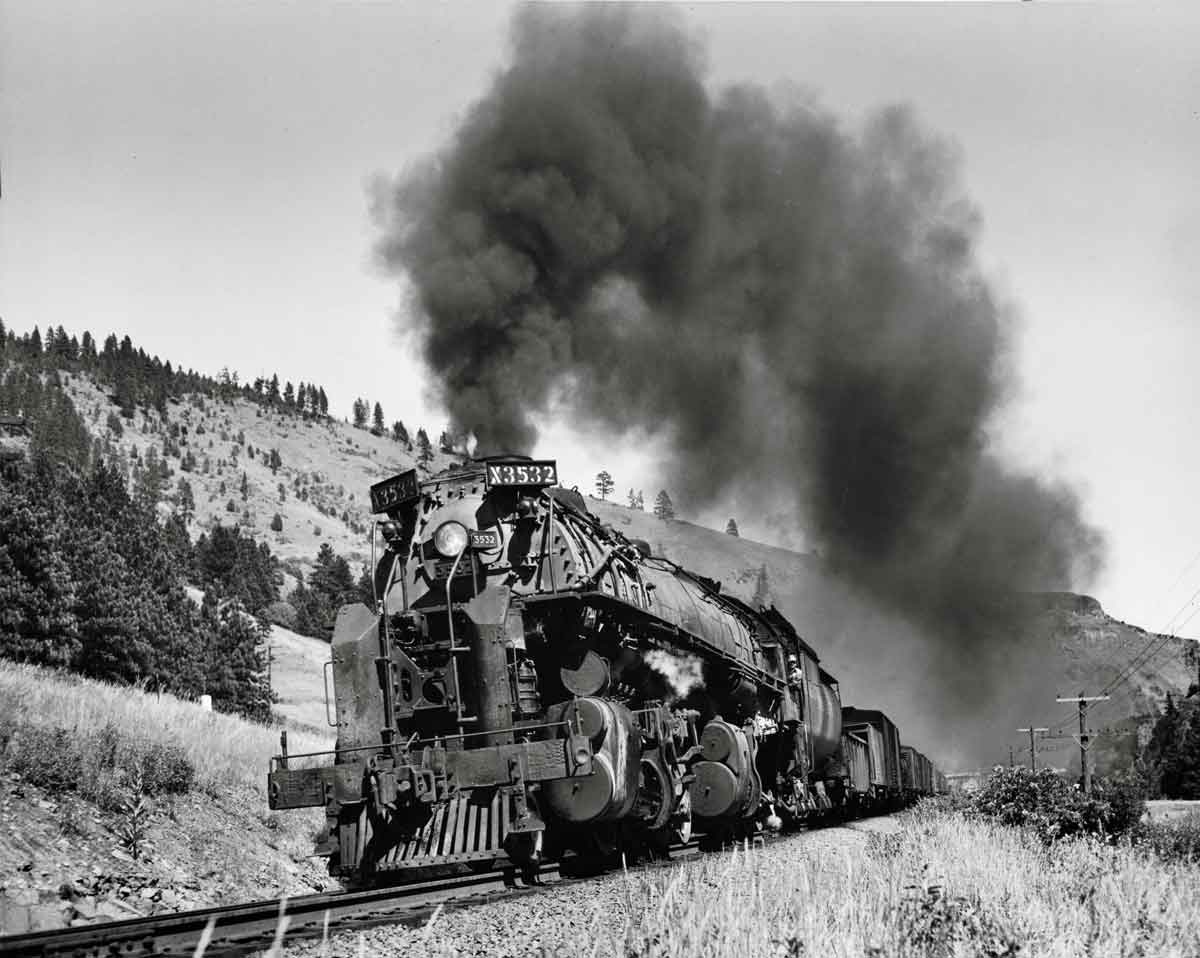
x,y
532,684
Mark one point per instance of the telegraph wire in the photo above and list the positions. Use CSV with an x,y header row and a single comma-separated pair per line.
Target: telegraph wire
x,y
1155,643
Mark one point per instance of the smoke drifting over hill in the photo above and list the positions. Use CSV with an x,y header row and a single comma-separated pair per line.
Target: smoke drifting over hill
x,y
794,307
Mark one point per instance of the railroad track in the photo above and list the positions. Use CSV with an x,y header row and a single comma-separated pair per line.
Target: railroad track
x,y
245,929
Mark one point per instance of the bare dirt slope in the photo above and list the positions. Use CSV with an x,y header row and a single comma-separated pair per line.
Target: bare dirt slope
x,y
297,680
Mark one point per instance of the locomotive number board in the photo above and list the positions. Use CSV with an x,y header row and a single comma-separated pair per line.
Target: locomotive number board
x,y
487,539
540,472
392,492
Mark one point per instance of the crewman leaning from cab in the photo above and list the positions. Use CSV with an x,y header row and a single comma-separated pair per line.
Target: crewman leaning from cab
x,y
795,673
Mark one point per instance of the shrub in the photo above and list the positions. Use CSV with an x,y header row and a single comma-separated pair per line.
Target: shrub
x,y
100,765
281,613
1174,840
46,757
164,768
1053,809
930,924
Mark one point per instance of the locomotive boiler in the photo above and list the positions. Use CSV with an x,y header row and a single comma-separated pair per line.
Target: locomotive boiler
x,y
532,683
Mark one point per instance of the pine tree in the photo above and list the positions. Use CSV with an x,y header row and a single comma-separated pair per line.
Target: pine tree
x,y
399,433
245,487
1162,754
361,410
330,586
324,402
377,426
37,591
273,390
663,508
731,528
1189,758
604,484
424,449
289,395
274,462
149,480
235,566
633,500
185,500
237,672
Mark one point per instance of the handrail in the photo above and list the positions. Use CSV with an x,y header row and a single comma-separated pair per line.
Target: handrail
x,y
425,741
325,678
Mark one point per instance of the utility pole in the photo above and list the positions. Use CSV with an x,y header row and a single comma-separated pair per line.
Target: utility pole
x,y
1084,740
1032,745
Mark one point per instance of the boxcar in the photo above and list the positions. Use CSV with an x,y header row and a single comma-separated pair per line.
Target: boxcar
x,y
883,743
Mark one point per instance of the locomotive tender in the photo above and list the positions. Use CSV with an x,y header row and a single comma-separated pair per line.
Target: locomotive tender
x,y
531,682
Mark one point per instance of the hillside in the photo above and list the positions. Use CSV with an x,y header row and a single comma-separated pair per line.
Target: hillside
x,y
960,699
326,467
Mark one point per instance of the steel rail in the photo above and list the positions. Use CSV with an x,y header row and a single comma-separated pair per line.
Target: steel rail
x,y
242,929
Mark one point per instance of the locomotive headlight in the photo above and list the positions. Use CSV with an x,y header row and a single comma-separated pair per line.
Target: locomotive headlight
x,y
450,539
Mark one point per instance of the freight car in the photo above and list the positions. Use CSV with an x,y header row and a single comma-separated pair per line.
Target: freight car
x,y
917,774
884,791
532,683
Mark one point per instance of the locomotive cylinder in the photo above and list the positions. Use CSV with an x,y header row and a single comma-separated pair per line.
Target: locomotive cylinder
x,y
726,783
610,792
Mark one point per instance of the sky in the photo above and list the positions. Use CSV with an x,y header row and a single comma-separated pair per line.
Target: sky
x,y
198,176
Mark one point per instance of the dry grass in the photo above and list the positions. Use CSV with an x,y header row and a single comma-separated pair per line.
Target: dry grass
x,y
224,750
938,886
941,886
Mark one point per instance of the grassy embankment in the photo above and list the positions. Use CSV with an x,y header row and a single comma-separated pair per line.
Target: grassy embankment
x,y
941,886
202,773
145,729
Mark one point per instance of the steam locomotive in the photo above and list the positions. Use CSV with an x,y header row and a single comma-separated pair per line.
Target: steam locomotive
x,y
533,684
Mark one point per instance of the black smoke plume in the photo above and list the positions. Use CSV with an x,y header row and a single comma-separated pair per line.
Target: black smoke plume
x,y
795,308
